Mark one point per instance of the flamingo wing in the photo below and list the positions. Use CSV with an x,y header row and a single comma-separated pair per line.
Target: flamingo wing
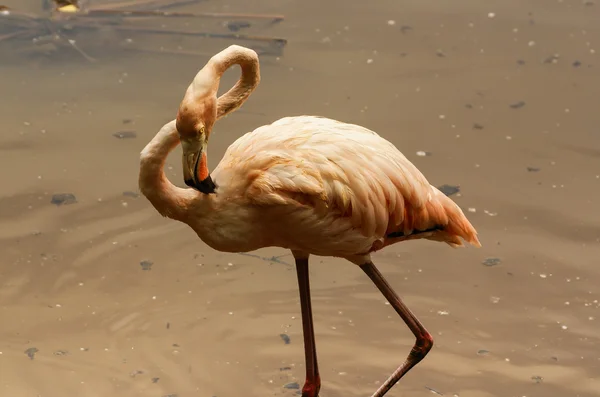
x,y
347,172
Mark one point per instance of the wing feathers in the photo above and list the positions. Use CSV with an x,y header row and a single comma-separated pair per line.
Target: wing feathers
x,y
350,171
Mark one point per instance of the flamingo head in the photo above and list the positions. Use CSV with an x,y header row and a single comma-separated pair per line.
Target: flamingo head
x,y
194,129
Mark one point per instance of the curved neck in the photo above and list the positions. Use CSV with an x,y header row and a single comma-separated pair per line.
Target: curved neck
x,y
168,199
249,80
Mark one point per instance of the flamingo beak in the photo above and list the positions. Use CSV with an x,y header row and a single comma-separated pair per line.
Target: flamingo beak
x,y
193,149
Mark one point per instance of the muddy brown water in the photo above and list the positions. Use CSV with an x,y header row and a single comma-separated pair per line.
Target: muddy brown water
x,y
79,315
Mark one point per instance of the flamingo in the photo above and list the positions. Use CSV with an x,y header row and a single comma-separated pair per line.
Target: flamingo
x,y
309,184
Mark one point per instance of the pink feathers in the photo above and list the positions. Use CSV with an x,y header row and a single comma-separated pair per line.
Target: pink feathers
x,y
341,173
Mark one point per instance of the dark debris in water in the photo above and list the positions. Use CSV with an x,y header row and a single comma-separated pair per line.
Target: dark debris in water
x,y
236,26
264,258
537,379
63,199
491,262
132,194
31,352
146,265
533,169
125,134
449,190
171,395
155,380
477,126
292,386
483,352
517,105
439,393
61,353
285,338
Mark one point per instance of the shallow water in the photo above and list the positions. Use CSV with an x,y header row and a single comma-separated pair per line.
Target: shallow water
x,y
429,76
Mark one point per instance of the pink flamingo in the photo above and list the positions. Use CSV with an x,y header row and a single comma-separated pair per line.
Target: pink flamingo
x,y
309,184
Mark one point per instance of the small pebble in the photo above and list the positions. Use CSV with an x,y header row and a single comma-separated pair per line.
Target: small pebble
x,y
491,261
146,265
449,190
31,352
236,26
63,199
285,338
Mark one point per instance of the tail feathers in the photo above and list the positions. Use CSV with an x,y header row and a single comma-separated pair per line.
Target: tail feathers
x,y
440,219
458,226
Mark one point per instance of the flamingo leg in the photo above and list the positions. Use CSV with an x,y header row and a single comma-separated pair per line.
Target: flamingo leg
x,y
424,341
313,380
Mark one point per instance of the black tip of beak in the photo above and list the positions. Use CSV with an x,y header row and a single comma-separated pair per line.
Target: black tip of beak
x,y
206,186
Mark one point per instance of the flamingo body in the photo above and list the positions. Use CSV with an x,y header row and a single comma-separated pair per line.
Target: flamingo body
x,y
323,187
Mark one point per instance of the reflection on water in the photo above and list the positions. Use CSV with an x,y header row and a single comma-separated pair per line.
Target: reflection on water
x,y
81,316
